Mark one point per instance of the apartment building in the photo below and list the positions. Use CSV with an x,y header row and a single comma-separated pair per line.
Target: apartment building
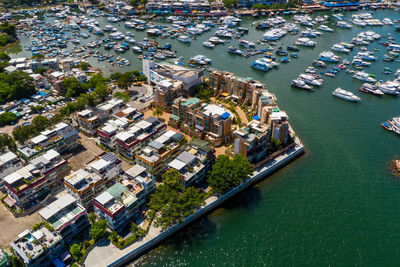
x,y
252,141
206,121
155,155
9,163
117,205
130,141
139,181
108,166
194,162
32,183
84,186
38,248
157,73
166,92
66,216
61,137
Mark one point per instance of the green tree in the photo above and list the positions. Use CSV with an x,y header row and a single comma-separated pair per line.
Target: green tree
x,y
40,123
98,230
84,65
72,87
23,133
229,3
101,90
41,70
125,81
7,141
158,112
227,173
8,29
37,56
134,228
7,117
92,218
75,251
172,202
113,236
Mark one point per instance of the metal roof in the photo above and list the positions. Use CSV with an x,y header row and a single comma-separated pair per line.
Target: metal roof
x,y
57,206
177,164
104,197
135,170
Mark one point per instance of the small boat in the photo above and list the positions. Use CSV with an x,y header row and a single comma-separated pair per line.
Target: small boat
x,y
285,60
208,44
346,95
293,48
297,83
294,55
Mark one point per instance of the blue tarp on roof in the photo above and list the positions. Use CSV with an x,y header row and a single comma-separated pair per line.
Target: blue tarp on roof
x,y
225,115
256,118
58,263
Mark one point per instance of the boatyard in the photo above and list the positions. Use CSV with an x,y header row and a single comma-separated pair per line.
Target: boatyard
x,y
326,203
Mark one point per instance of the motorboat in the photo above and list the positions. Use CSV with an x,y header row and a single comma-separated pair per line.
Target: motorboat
x,y
389,87
325,28
208,44
201,60
343,24
328,56
346,95
366,56
340,48
310,80
154,32
274,34
305,42
298,83
137,49
371,89
184,39
363,76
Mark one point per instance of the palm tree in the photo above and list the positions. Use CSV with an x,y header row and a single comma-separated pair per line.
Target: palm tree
x,y
157,112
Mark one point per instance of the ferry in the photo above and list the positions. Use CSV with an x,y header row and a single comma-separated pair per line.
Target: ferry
x,y
346,95
371,89
363,76
301,84
392,125
328,56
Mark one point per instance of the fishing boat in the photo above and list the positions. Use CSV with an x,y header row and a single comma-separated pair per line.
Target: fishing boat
x,y
285,60
260,65
281,52
371,89
346,95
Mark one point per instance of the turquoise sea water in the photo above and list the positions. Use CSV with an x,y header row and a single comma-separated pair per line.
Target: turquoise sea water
x,y
336,205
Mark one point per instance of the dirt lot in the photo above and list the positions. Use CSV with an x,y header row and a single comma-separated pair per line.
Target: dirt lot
x,y
11,227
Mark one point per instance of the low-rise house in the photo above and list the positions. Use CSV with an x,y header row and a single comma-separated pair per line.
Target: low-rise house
x,y
106,134
154,156
117,206
61,137
29,185
84,186
130,141
194,162
139,181
66,216
108,166
88,121
38,248
9,163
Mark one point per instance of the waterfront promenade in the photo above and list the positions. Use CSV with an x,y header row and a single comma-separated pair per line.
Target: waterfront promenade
x,y
106,254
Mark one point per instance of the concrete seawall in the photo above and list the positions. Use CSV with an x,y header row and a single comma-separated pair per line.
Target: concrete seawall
x,y
259,174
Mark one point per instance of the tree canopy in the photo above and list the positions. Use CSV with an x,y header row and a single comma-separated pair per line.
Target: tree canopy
x,y
172,202
226,173
16,85
98,230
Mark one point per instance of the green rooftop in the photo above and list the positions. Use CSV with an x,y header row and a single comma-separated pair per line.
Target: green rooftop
x,y
121,193
193,100
63,217
203,145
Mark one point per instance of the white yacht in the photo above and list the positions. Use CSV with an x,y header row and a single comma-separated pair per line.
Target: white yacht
x,y
301,84
325,28
201,60
363,76
389,87
340,48
305,42
343,24
208,44
274,34
310,80
184,39
346,95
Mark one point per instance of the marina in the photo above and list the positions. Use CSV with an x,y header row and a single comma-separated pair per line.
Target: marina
x,y
360,192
